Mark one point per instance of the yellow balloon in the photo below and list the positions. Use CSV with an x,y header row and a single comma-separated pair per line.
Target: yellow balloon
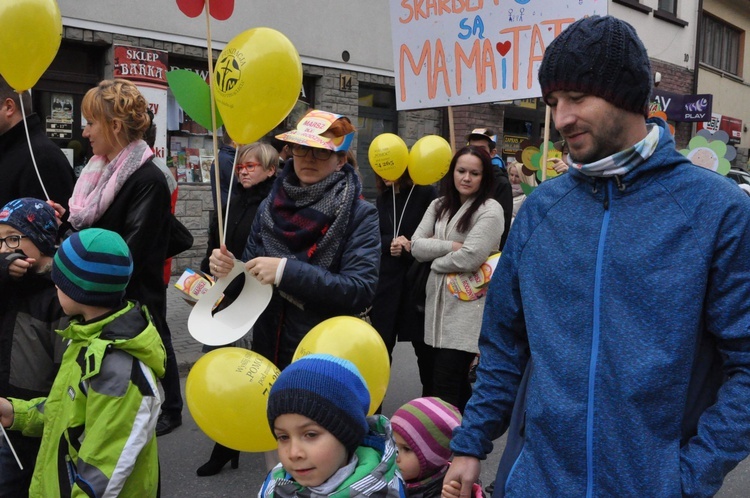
x,y
355,340
227,395
388,156
429,159
30,37
257,81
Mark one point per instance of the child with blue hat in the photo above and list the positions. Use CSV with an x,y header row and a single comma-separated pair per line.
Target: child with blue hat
x,y
317,410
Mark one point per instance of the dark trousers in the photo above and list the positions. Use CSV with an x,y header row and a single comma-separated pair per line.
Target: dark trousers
x,y
172,404
450,375
14,482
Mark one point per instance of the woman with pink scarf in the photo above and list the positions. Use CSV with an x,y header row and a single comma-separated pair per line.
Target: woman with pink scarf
x,y
121,189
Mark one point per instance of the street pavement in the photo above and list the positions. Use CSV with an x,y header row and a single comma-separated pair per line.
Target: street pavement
x,y
187,448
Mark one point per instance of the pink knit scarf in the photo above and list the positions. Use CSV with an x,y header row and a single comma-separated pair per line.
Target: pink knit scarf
x,y
100,181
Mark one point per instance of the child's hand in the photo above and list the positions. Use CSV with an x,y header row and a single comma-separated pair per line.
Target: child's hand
x,y
19,267
463,473
451,489
6,413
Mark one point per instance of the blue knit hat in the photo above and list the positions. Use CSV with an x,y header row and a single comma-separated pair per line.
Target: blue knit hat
x,y
600,56
35,219
93,267
328,390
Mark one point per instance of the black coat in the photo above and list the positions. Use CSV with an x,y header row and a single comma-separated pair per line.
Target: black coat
x,y
394,312
19,178
140,214
242,212
504,195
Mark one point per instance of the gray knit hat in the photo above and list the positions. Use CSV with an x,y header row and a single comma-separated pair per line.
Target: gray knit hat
x,y
600,56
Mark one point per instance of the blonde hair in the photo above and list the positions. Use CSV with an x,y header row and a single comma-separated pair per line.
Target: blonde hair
x,y
119,100
266,154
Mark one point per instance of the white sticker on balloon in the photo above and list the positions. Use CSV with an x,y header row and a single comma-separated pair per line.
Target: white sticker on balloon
x,y
236,320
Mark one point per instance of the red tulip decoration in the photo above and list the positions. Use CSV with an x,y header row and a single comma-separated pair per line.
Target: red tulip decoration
x,y
221,10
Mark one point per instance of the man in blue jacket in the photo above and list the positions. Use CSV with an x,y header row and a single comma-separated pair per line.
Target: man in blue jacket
x,y
615,345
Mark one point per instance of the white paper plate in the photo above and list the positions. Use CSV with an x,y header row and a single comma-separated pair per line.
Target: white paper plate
x,y
230,324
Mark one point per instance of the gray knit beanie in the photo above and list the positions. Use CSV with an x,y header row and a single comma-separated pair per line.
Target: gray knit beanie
x,y
600,56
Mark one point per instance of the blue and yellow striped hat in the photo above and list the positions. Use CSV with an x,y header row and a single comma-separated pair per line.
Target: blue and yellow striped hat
x,y
93,267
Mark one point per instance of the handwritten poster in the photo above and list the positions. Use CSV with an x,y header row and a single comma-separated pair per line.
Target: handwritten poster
x,y
452,52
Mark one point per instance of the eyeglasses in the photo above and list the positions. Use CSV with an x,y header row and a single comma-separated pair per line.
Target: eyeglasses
x,y
319,154
12,241
250,166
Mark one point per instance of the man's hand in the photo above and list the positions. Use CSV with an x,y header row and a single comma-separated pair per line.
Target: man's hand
x,y
461,476
6,413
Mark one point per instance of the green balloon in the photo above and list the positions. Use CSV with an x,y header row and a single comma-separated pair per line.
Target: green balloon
x,y
194,96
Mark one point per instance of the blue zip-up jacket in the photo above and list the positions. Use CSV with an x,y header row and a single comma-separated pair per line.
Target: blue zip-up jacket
x,y
631,297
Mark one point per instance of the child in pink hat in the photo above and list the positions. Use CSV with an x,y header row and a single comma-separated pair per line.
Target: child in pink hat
x,y
422,429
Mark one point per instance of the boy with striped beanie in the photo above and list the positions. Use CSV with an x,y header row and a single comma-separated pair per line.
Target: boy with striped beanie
x,y
106,386
422,429
328,446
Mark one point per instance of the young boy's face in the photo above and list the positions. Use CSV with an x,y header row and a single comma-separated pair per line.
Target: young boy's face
x,y
307,451
25,244
407,460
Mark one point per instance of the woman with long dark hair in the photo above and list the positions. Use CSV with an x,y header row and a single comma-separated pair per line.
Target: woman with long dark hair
x,y
457,233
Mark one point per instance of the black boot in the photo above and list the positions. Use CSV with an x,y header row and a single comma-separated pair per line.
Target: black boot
x,y
219,457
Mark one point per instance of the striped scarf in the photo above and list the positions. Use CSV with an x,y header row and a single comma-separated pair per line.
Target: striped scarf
x,y
308,223
624,161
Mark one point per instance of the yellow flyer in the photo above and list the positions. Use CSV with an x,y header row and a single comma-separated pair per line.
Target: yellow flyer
x,y
472,286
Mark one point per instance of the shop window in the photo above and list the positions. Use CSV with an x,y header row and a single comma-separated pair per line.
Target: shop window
x,y
376,114
720,45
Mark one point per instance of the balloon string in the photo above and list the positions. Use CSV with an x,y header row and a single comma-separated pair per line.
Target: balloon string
x,y
10,445
405,203
395,214
229,196
31,151
217,177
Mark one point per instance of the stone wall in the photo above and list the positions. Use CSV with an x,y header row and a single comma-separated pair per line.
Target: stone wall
x,y
194,209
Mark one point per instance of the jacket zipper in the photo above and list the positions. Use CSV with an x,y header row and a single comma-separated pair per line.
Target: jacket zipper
x,y
595,344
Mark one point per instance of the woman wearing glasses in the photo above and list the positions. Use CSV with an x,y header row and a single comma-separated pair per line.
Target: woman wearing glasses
x,y
314,239
255,170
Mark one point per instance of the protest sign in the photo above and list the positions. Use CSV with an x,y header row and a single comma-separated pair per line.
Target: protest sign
x,y
452,52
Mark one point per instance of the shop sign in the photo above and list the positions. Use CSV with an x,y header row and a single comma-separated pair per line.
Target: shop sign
x,y
686,108
141,64
732,126
512,143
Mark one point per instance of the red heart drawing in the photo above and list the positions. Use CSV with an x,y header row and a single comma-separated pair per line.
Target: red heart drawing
x,y
220,10
503,47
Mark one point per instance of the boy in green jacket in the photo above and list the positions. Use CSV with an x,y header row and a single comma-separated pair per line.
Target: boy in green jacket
x,y
97,424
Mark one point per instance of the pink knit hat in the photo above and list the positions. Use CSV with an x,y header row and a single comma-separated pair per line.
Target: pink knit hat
x,y
427,424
